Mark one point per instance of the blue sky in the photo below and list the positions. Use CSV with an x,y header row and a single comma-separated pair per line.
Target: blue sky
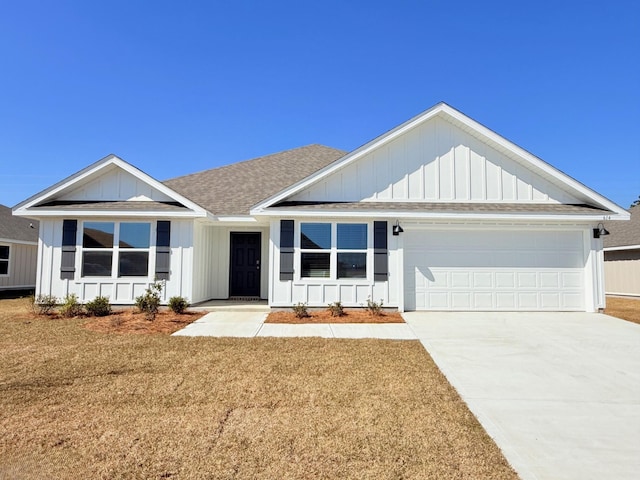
x,y
179,87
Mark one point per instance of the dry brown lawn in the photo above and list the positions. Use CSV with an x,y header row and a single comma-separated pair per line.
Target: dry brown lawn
x,y
625,308
76,403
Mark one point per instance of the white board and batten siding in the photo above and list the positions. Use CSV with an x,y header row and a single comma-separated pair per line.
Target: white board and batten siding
x,y
21,266
320,292
436,162
121,290
115,185
212,252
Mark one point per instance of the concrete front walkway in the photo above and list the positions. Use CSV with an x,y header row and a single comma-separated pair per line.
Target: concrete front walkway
x,y
558,392
251,324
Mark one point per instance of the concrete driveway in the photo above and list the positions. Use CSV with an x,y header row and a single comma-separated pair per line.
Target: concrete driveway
x,y
558,392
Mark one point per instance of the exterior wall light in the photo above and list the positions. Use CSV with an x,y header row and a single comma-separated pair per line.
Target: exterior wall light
x,y
397,229
599,231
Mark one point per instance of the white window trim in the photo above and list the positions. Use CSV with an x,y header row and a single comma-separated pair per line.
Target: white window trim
x,y
7,260
115,274
333,255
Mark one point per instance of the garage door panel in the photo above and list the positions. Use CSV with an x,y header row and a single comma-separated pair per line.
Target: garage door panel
x,y
483,279
506,300
460,279
483,301
505,279
571,280
527,301
524,270
438,300
549,280
461,301
527,280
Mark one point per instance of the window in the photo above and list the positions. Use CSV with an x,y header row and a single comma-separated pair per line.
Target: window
x,y
4,259
352,250
315,247
134,249
102,242
321,253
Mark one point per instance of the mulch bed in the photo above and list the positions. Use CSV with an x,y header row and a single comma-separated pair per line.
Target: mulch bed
x,y
324,316
131,321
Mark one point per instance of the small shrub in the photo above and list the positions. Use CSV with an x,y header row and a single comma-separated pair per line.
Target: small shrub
x,y
178,304
300,310
374,308
336,309
44,304
71,307
98,307
149,302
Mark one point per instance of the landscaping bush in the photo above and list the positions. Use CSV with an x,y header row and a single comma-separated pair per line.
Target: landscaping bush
x,y
336,309
71,307
374,308
149,303
178,304
300,310
98,307
44,304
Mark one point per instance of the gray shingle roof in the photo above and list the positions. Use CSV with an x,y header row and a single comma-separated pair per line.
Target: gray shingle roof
x,y
17,228
624,233
234,189
537,208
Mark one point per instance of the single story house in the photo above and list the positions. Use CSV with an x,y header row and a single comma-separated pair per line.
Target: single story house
x,y
18,251
622,256
439,213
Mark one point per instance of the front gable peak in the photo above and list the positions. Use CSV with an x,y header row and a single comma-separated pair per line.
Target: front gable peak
x,y
441,155
107,186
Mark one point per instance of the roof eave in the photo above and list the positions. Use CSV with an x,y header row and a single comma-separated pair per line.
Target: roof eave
x,y
430,215
33,213
24,208
441,109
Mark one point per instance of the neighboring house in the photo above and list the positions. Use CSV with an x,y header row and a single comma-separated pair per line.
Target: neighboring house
x,y
439,213
18,251
622,256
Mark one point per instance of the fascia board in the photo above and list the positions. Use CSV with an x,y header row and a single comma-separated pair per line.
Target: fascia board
x,y
443,109
110,213
64,183
533,160
19,242
158,185
626,247
438,216
348,158
236,219
23,208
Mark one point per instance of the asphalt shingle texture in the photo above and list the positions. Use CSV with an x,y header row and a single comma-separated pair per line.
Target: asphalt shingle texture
x,y
234,189
17,228
622,234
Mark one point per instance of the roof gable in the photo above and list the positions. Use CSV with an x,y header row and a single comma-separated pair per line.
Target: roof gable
x,y
441,156
110,181
234,189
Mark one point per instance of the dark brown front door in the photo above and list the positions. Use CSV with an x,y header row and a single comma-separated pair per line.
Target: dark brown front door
x,y
245,265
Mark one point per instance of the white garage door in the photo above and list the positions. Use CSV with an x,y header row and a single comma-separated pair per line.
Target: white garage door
x,y
490,270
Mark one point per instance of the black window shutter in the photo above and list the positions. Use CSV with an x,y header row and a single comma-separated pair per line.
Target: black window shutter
x,y
286,249
68,262
163,249
380,257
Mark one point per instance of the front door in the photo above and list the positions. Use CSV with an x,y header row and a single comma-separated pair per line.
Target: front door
x,y
245,265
